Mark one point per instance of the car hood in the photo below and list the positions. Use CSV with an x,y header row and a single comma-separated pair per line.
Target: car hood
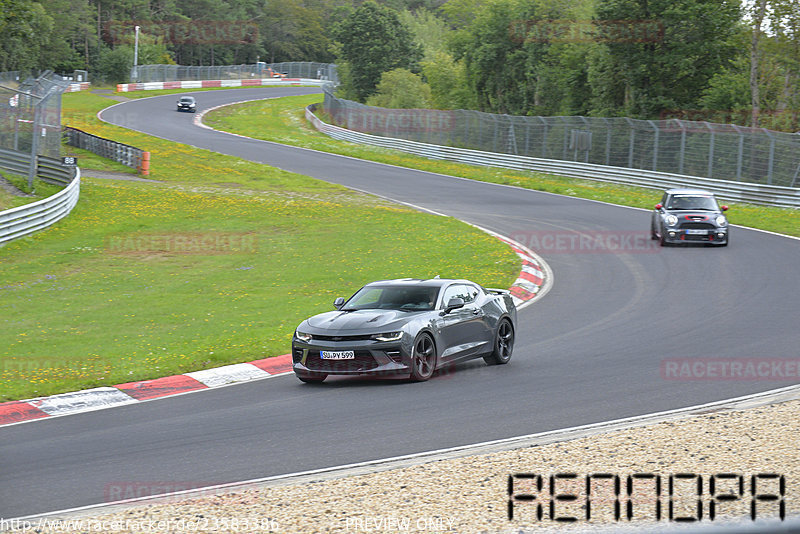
x,y
367,321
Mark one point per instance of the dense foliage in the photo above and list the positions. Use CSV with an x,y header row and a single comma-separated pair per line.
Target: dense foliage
x,y
716,60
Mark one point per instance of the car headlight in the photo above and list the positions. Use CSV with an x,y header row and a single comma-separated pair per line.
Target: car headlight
x,y
305,338
722,221
671,220
390,336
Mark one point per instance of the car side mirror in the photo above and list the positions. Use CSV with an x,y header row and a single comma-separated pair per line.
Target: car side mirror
x,y
659,206
453,304
724,208
338,303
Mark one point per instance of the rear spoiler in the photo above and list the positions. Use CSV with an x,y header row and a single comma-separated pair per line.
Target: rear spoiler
x,y
497,291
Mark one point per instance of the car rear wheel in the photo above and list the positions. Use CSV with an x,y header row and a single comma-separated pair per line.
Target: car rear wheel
x,y
503,344
423,358
315,379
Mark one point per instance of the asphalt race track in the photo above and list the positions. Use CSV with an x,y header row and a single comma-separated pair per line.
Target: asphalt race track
x,y
591,350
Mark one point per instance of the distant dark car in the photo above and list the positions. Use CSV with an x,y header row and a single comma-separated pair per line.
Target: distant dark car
x,y
689,216
187,103
406,327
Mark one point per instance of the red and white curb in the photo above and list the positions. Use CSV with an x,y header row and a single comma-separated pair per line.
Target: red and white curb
x,y
132,392
532,283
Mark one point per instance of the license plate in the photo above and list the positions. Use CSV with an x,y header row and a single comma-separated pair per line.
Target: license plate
x,y
697,232
337,355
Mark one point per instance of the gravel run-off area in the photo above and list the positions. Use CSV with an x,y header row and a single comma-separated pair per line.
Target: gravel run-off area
x,y
471,494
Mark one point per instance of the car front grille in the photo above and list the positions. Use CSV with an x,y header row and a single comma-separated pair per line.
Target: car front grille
x,y
362,362
697,226
342,338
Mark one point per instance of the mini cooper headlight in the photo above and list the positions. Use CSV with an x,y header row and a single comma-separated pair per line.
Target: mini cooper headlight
x,y
305,338
671,220
390,336
722,221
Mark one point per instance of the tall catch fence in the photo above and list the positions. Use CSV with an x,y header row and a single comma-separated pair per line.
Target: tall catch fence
x,y
176,73
30,117
30,114
704,149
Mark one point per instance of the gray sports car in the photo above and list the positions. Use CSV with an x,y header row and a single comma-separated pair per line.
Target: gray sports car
x,y
406,327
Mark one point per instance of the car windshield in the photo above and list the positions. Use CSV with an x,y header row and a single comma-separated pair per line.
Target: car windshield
x,y
187,99
403,298
692,202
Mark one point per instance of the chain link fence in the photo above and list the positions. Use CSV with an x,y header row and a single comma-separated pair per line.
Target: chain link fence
x,y
30,115
180,73
710,150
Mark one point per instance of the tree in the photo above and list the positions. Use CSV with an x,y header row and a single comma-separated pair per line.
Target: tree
x,y
401,89
669,72
374,41
448,82
24,27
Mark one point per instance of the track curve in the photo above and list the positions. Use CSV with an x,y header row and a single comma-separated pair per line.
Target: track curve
x,y
589,351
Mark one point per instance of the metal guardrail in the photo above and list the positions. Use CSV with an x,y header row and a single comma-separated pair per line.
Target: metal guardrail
x,y
49,170
25,220
130,156
737,191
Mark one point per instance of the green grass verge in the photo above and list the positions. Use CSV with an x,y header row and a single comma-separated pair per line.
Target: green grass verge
x,y
121,290
282,120
41,190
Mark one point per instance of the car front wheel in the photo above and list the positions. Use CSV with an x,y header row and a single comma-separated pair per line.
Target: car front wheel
x,y
503,344
423,358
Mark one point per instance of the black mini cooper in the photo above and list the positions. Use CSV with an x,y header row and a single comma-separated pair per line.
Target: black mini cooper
x,y
689,216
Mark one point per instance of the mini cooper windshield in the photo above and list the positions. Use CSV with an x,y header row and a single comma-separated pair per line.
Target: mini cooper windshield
x,y
402,298
693,202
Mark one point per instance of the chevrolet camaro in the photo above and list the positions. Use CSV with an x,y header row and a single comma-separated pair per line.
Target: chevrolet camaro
x,y
406,327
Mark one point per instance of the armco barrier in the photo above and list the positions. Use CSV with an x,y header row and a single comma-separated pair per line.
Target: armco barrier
x,y
787,197
25,220
198,84
49,170
130,156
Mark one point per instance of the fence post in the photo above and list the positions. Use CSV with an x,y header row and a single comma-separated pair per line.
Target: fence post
x,y
544,136
37,118
682,151
710,149
608,140
771,155
632,140
655,145
739,154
